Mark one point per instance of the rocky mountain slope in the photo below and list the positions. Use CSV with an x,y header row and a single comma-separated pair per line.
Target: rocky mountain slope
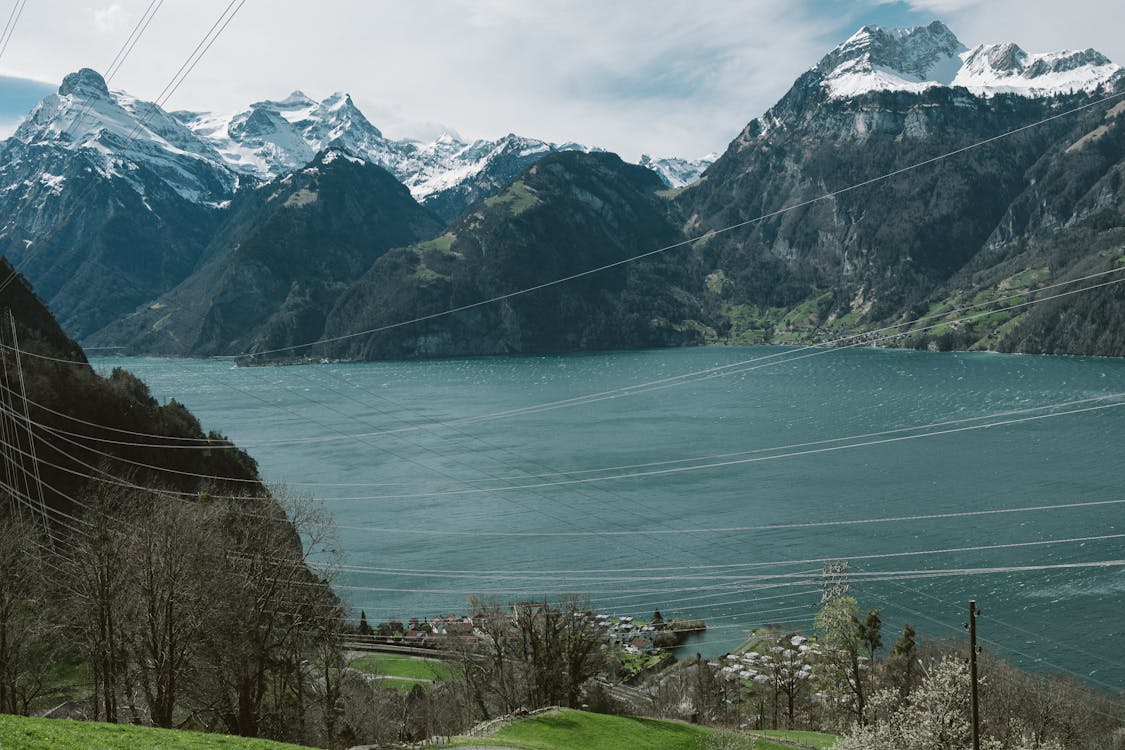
x,y
111,202
179,271
897,247
1009,217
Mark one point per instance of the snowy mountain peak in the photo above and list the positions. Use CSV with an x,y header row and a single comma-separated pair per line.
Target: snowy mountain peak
x,y
922,57
1001,58
875,58
85,83
1005,68
296,100
120,136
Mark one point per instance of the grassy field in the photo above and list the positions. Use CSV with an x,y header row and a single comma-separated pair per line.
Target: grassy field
x,y
566,729
403,673
19,733
394,665
812,739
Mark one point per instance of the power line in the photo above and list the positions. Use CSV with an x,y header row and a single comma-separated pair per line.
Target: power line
x,y
196,54
731,462
119,60
783,579
213,444
10,26
574,575
770,360
131,41
656,472
631,390
999,646
596,517
766,527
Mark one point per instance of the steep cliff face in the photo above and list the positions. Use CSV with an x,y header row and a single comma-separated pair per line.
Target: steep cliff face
x,y
848,258
275,269
1069,222
568,213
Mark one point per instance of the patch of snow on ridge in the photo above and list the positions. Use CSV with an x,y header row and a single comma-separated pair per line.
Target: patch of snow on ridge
x,y
335,154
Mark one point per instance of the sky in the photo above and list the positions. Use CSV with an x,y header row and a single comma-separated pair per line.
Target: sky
x,y
634,76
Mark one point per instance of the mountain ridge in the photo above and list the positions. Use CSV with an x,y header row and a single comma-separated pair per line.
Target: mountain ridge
x,y
845,260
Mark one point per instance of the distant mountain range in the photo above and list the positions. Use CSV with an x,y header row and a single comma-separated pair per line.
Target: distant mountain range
x,y
125,198
192,233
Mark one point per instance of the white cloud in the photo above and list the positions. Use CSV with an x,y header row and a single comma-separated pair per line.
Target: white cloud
x,y
110,18
1036,25
943,7
8,126
634,76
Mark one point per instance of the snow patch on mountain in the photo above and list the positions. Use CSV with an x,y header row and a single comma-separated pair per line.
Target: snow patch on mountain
x,y
677,172
923,57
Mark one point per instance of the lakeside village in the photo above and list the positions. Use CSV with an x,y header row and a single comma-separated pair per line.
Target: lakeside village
x,y
642,646
769,670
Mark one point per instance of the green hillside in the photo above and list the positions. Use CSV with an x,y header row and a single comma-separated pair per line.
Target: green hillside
x,y
19,733
567,729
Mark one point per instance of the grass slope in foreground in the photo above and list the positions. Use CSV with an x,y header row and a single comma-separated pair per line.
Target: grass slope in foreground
x,y
19,733
567,729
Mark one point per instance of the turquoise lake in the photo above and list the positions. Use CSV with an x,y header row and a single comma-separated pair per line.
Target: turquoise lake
x,y
439,492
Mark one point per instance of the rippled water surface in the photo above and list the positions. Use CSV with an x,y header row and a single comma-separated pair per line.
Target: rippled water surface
x,y
440,490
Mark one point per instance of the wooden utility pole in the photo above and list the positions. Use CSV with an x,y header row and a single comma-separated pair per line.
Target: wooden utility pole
x,y
973,612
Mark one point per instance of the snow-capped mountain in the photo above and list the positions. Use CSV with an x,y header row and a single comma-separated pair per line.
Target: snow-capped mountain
x,y
677,172
106,200
272,138
447,174
117,134
922,57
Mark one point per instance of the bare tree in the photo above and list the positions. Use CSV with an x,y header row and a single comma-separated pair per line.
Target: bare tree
x,y
531,655
27,637
267,605
99,575
169,557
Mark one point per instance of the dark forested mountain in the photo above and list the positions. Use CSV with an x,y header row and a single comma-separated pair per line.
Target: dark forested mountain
x,y
568,213
89,412
276,267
